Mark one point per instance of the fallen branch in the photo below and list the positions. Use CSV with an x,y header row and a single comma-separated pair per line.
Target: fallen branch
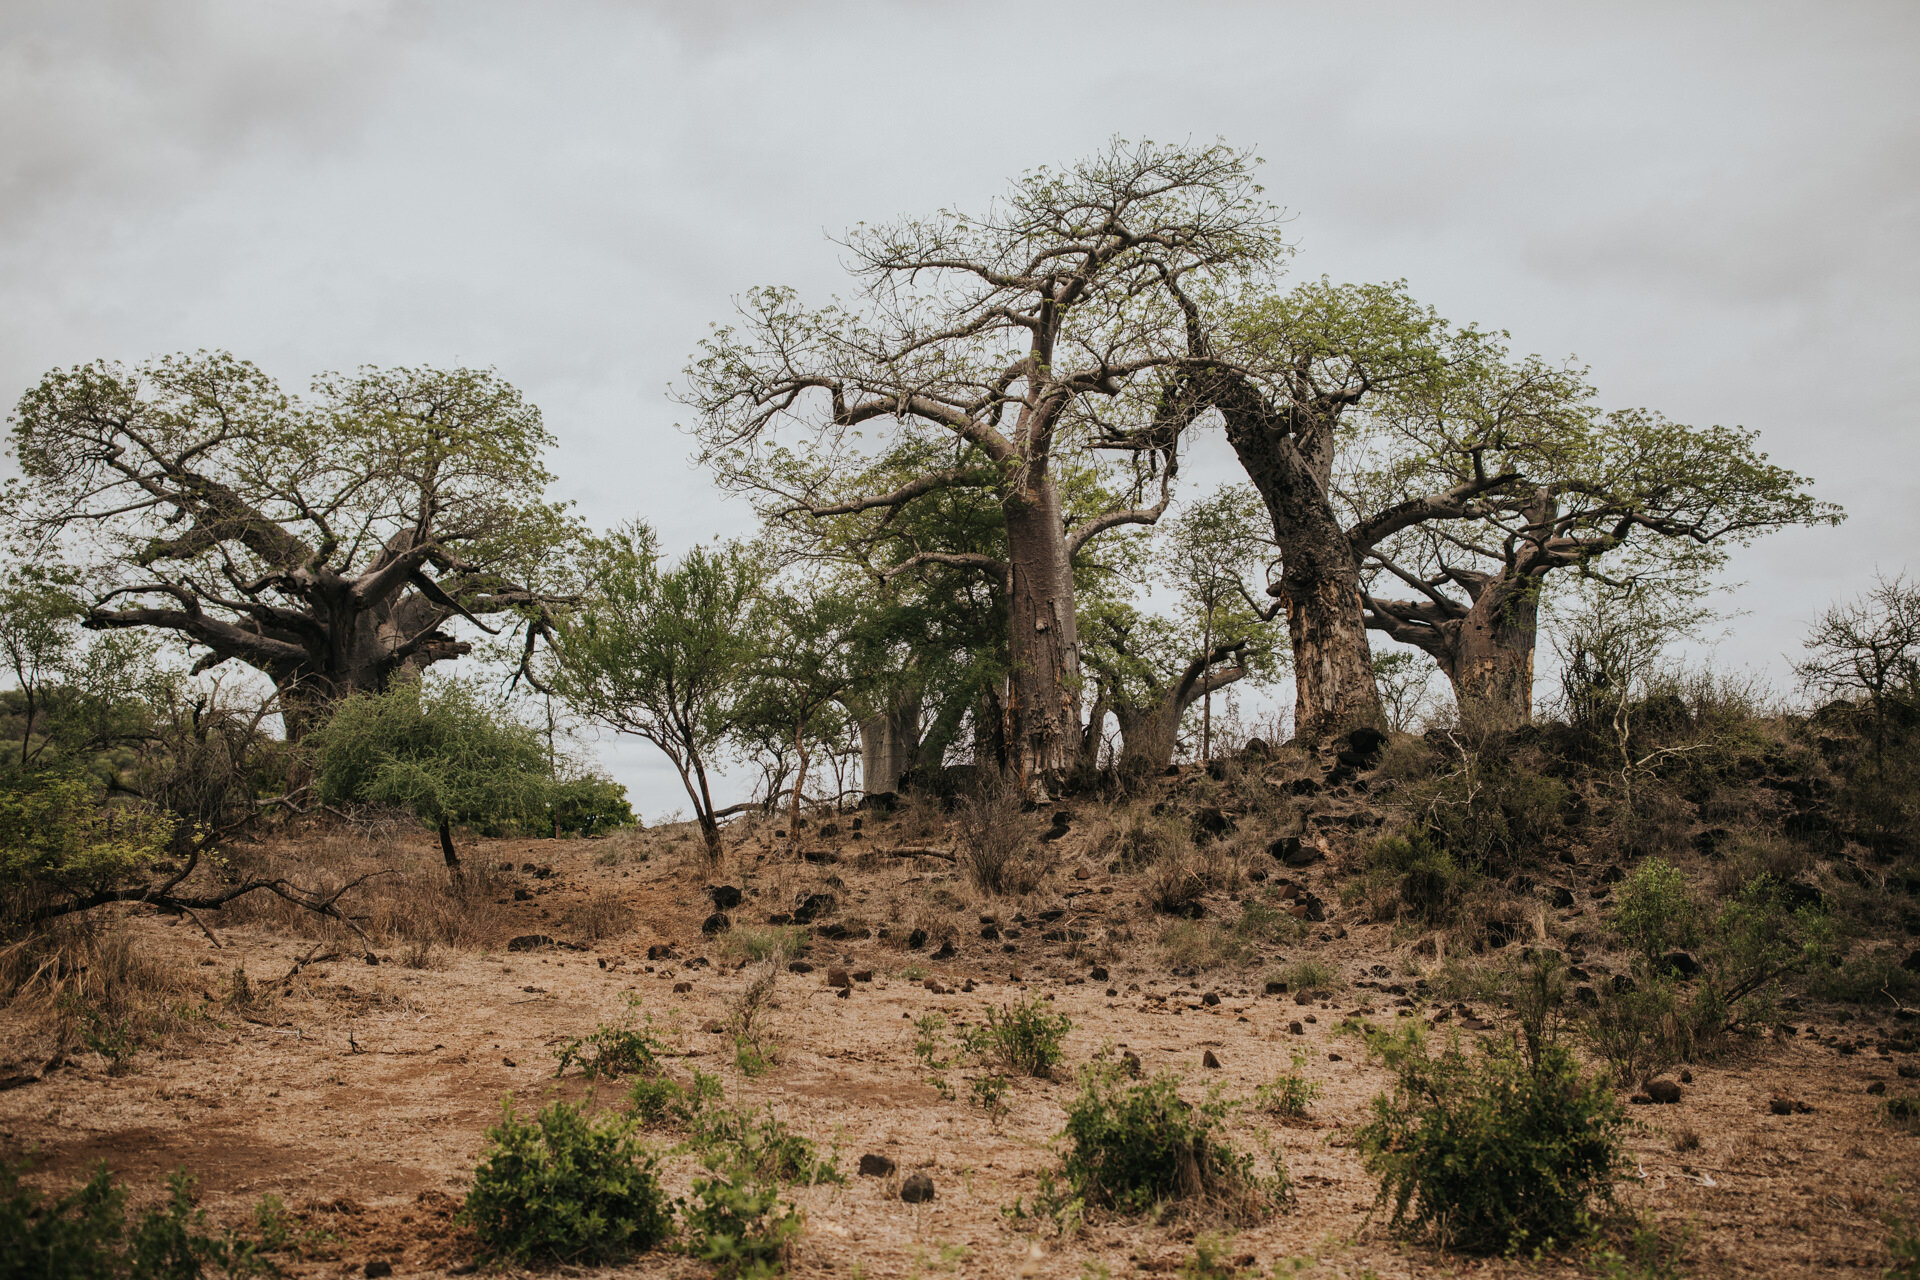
x,y
305,960
26,1078
164,899
912,852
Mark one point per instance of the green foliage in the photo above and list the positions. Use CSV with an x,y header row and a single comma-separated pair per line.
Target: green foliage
x,y
1903,1242
1311,975
1430,884
85,1235
612,1051
756,944
57,835
440,752
588,805
1902,1113
990,1094
565,1188
660,1099
1133,1146
1288,1095
740,1230
1486,1152
1023,1037
1652,911
1210,1261
757,1146
1645,1253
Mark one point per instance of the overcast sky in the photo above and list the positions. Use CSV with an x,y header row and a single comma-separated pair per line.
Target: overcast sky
x,y
1715,206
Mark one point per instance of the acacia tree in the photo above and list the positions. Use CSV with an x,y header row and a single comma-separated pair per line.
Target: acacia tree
x,y
1211,549
1023,332
662,652
327,542
1868,647
807,640
37,612
1619,497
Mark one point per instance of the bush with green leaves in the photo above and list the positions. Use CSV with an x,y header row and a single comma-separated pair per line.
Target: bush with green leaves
x,y
660,1099
758,1146
1288,1095
57,836
612,1051
1652,911
1023,1037
441,752
589,805
566,1188
84,1234
1427,880
742,1229
1132,1146
1487,1151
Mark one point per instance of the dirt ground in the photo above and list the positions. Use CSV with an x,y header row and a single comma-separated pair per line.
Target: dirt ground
x,y
360,1093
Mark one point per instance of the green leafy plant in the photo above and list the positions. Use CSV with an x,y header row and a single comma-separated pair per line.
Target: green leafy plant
x,y
1209,1261
1487,1152
1311,975
1132,1146
741,1230
1652,911
612,1051
565,1188
1288,1095
84,1234
1023,1037
660,1099
1903,1242
757,1146
990,1095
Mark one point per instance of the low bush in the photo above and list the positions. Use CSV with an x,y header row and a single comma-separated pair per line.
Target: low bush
x,y
741,1230
1311,975
992,843
1134,1146
660,1099
1200,944
757,1146
1652,911
1427,881
565,1188
1023,1037
1288,1095
779,943
613,1052
1489,1152
85,1234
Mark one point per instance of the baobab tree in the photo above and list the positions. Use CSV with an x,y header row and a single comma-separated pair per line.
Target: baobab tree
x,y
326,543
1025,332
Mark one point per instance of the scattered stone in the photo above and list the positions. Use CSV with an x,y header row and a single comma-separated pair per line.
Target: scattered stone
x,y
508,1062
1082,873
917,1189
1294,852
843,993
1333,1057
529,942
1210,999
863,975
780,917
936,986
521,895
1877,1088
799,966
1112,991
718,922
713,1027
682,988
1097,974
946,951
1641,1099
1275,987
1208,1059
375,1270
1296,1029
1132,1061
725,896
1686,1077
1558,895
1062,823
812,907
660,951
1682,963
916,939
838,977
873,1166
1664,1092
990,933
1788,1107
829,831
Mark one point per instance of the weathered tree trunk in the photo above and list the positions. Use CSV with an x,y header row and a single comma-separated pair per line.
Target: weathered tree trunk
x,y
889,745
1043,702
1492,663
1149,734
446,846
1287,453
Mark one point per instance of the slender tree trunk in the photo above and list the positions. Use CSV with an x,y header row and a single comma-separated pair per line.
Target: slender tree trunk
x,y
799,788
1148,736
1043,703
446,845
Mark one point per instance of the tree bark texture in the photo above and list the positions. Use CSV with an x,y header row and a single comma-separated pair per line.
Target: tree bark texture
x,y
889,746
1043,701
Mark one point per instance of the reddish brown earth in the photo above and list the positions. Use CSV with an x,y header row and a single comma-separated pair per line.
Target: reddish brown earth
x,y
360,1094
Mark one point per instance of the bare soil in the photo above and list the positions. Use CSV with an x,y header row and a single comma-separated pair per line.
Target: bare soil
x,y
359,1093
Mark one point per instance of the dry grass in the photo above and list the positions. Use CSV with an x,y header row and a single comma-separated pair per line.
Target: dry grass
x,y
993,843
88,984
605,914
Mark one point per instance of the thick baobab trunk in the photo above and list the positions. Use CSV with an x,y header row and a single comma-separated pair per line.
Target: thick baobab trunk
x,y
889,745
1491,664
1149,734
1043,700
1287,453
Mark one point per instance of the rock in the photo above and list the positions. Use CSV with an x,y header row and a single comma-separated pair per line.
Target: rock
x,y
1877,1088
916,939
946,951
838,977
1294,852
682,988
1686,1077
843,993
1275,987
1367,741
1210,999
1208,1059
917,1188
725,896
713,1027
872,1166
936,986
780,918
829,831
1303,786
1082,873
1912,963
529,942
660,951
1257,747
880,801
990,933
863,975
1210,823
1296,1029
374,1270
1132,1061
1558,896
1788,1106
812,907
1097,973
1062,823
1641,1099
521,895
799,966
1112,991
718,922
1665,1092
1622,984
1681,963
1585,994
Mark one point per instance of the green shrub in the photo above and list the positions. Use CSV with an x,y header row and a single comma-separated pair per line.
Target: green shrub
x,y
565,1188
588,804
56,835
1652,911
660,1099
1200,944
740,1230
758,1147
1486,1152
1024,1037
613,1052
1261,921
84,1234
758,945
1132,1146
1902,1113
1288,1095
1311,975
1427,880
